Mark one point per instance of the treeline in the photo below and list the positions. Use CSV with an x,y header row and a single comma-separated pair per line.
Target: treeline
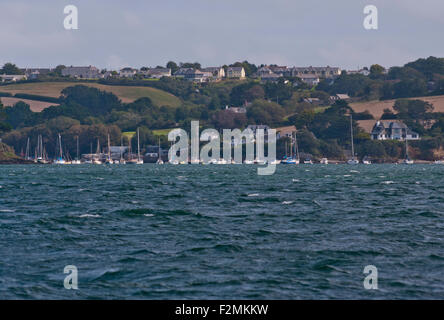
x,y
422,77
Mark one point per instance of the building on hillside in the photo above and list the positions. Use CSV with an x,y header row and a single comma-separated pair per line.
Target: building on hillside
x,y
364,72
236,109
12,77
156,73
321,72
236,72
285,132
313,101
35,73
89,72
218,72
392,130
280,70
310,79
127,72
196,75
340,96
180,73
263,71
271,77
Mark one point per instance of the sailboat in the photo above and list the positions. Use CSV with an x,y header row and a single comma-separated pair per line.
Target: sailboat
x,y
291,159
109,160
40,157
96,159
159,160
59,159
407,159
353,160
89,160
77,160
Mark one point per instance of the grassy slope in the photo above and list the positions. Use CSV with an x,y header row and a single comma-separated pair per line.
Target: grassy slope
x,y
125,93
376,108
6,152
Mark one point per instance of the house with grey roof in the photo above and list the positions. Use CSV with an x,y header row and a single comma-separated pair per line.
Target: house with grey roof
x,y
218,72
321,72
156,73
89,72
34,73
127,72
180,73
236,72
191,74
392,130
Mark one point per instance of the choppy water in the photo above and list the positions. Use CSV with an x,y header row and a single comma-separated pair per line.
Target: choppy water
x,y
203,232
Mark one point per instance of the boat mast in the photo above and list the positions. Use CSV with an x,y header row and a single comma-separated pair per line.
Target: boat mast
x,y
60,147
291,147
351,130
109,149
160,158
296,142
138,145
121,147
406,149
27,150
77,148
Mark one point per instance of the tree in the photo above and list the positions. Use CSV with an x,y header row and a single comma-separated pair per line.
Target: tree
x,y
410,88
264,112
279,91
19,115
58,70
248,67
388,115
195,65
4,126
429,66
173,66
10,68
412,109
377,71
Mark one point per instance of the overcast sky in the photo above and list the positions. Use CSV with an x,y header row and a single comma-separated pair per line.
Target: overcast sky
x,y
114,34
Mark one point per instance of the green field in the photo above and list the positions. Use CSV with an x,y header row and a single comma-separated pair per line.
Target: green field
x,y
125,93
162,132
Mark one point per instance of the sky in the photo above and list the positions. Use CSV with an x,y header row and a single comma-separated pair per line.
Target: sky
x,y
114,34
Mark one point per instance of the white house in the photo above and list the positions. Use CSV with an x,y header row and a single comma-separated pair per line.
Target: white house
x,y
392,130
310,79
157,73
127,72
12,77
218,72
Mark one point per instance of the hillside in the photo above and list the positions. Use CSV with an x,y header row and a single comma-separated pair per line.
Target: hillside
x,y
125,93
36,106
376,108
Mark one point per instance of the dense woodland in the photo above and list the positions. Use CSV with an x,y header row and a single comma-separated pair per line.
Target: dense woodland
x,y
323,131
